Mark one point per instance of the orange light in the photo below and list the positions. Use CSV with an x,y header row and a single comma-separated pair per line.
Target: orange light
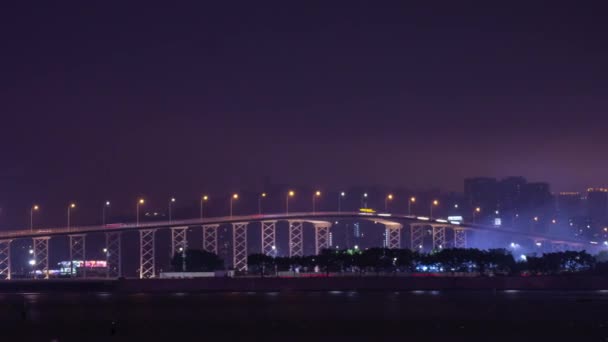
x,y
291,193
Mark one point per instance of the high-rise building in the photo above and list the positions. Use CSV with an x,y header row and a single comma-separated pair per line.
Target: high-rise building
x,y
536,196
510,191
597,204
482,192
569,204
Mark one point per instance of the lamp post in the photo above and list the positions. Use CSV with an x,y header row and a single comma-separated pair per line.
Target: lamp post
x,y
171,201
205,198
364,200
70,207
32,209
388,198
262,195
139,202
409,205
233,197
342,194
103,212
475,213
290,193
314,196
433,204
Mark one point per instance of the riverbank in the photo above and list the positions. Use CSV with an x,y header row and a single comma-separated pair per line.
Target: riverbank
x,y
569,282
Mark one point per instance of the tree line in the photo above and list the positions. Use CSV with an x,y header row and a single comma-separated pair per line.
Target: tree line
x,y
384,260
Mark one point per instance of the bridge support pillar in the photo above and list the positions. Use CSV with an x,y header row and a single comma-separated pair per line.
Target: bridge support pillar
x,y
113,255
296,238
77,252
460,238
321,237
416,237
269,243
179,239
439,237
146,254
239,246
393,236
210,238
41,255
5,259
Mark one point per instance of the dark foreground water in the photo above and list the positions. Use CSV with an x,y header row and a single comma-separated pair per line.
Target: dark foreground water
x,y
306,316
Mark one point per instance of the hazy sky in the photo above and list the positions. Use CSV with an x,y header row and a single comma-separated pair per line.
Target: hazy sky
x,y
121,100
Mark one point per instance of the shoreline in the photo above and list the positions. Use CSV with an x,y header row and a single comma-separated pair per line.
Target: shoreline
x,y
381,283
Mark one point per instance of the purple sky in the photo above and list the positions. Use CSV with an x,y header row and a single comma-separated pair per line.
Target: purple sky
x,y
116,101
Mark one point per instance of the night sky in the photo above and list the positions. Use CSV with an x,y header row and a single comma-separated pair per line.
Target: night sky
x,y
117,101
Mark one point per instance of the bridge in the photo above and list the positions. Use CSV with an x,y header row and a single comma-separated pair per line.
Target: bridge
x,y
322,222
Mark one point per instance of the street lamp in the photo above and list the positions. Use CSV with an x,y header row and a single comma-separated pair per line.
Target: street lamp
x,y
342,194
433,204
103,212
290,193
32,209
314,196
409,205
205,198
171,201
262,195
70,207
364,200
475,212
388,198
32,263
233,197
140,202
